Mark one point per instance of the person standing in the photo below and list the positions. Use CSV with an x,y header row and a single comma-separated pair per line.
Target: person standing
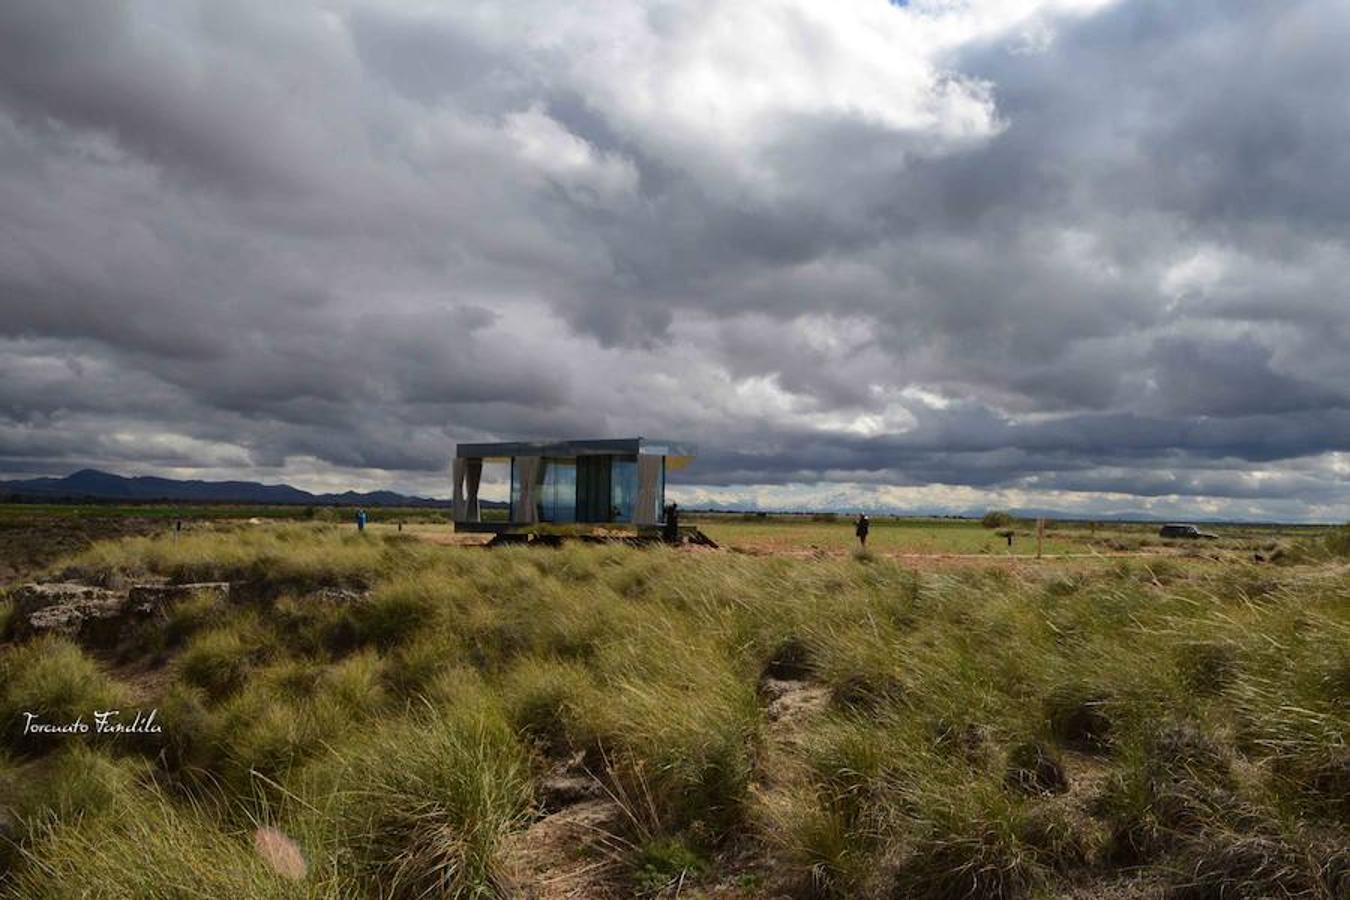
x,y
671,530
863,526
360,520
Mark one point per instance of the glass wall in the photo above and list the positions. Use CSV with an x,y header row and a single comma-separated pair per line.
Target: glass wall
x,y
623,487
514,498
557,496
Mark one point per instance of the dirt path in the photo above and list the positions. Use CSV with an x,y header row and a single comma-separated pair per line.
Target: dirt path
x,y
567,855
572,850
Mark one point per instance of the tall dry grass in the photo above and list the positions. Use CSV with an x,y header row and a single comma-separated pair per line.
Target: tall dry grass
x,y
991,733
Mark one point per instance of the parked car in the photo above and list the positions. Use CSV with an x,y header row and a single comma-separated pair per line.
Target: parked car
x,y
1184,531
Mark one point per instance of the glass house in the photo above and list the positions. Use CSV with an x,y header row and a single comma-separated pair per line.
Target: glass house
x,y
619,480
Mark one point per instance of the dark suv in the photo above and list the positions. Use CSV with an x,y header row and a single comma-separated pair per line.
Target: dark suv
x,y
1184,531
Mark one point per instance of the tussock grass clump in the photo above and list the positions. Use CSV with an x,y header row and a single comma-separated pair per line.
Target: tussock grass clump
x,y
1035,768
816,841
973,847
219,660
1208,667
52,680
395,613
1079,717
687,747
1338,542
420,808
545,700
411,668
1226,865
73,783
146,846
1171,781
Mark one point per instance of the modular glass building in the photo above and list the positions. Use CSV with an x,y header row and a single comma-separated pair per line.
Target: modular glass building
x,y
620,480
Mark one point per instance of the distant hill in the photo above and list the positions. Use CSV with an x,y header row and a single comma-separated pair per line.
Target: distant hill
x,y
91,484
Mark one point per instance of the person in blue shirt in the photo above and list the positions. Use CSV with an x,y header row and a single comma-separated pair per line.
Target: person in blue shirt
x,y
360,520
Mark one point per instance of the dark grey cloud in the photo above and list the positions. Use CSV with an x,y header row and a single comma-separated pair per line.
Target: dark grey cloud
x,y
1073,253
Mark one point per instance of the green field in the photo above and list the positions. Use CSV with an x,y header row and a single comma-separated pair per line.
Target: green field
x,y
380,715
210,512
890,535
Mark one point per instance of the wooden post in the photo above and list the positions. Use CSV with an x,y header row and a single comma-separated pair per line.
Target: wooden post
x,y
1040,536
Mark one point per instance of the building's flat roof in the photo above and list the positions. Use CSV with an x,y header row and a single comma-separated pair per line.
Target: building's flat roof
x,y
593,447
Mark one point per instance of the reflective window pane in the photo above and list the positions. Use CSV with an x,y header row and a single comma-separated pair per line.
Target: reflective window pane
x,y
624,487
557,501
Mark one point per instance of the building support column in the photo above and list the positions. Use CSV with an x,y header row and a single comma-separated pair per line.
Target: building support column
x,y
647,508
457,473
527,471
473,476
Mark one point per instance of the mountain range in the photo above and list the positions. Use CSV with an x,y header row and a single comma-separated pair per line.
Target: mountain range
x,y
91,484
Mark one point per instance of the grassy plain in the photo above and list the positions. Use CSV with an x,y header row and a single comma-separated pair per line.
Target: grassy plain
x,y
381,716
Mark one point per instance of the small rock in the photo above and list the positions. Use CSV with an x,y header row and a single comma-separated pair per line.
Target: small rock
x,y
153,600
561,791
340,596
30,598
74,610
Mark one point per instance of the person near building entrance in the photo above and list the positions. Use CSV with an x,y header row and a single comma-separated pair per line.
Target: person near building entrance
x,y
670,531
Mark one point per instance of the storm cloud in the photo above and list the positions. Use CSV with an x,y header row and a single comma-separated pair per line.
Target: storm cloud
x,y
1073,254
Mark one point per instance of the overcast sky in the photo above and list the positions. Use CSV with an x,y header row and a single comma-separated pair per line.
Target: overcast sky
x,y
1091,256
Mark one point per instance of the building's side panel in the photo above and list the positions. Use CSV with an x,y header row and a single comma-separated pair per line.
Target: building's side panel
x,y
524,489
650,471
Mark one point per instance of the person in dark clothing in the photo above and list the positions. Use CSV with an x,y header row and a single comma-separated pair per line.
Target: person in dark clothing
x,y
671,530
864,525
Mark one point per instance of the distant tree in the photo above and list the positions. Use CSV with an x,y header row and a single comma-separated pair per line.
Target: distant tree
x,y
997,518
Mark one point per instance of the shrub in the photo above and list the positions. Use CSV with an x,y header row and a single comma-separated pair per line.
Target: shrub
x,y
665,862
997,518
